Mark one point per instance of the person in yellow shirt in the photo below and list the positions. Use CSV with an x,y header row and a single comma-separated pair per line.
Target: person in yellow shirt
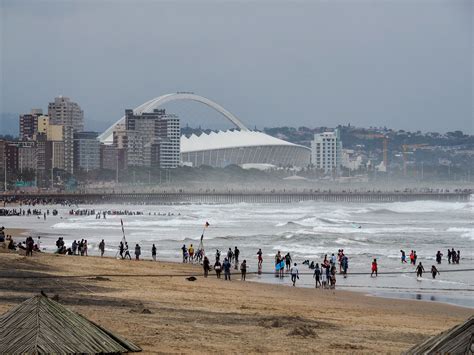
x,y
191,253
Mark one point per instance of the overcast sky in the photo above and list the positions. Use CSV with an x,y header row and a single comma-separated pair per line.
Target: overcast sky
x,y
401,64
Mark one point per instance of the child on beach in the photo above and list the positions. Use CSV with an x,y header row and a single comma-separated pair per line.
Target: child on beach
x,y
374,268
259,258
324,281
218,268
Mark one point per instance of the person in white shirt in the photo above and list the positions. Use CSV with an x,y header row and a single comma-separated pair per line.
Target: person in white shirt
x,y
294,274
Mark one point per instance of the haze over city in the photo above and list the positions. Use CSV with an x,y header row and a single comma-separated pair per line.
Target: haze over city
x,y
404,65
157,155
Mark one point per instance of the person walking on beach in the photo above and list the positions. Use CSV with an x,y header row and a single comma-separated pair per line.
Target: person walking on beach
x,y
236,257
439,256
324,278
333,276
74,247
458,257
121,249
153,252
243,270
230,255
344,265
434,271
227,266
333,259
185,251
415,257
206,266
259,258
218,268
317,275
374,268
404,257
412,258
127,253
191,253
288,261
85,247
419,270
449,256
138,251
294,274
102,248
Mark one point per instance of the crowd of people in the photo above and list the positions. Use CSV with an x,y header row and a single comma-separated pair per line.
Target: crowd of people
x,y
324,273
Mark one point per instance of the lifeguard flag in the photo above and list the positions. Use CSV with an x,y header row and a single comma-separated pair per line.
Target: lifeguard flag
x,y
207,224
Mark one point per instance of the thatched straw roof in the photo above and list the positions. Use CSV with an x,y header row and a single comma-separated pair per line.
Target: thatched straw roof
x,y
457,340
40,325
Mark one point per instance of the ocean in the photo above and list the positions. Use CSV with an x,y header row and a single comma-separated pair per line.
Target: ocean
x,y
306,230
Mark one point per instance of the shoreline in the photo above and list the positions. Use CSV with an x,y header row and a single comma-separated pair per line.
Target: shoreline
x,y
161,313
253,277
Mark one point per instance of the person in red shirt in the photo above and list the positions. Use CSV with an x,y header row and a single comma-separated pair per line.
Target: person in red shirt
x,y
374,268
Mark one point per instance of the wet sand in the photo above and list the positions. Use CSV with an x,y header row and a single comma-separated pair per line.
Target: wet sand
x,y
165,314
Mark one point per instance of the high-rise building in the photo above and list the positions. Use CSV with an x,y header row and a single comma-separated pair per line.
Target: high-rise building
x,y
69,115
86,151
54,156
65,112
26,156
29,124
152,139
120,136
3,164
11,156
326,150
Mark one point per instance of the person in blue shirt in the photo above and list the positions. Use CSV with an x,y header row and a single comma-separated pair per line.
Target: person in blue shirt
x,y
227,266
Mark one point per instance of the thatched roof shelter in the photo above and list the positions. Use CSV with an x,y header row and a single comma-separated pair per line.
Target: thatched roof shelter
x,y
42,326
457,340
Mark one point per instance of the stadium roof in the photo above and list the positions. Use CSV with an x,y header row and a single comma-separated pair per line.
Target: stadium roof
x,y
230,139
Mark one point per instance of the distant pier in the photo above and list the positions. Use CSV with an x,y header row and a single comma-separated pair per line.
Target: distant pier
x,y
238,197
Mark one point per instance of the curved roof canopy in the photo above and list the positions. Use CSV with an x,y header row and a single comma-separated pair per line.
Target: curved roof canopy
x,y
150,105
230,139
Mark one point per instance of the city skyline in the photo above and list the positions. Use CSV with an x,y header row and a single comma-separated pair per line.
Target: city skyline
x,y
404,66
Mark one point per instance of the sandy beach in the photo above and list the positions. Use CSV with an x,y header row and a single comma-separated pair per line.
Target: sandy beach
x,y
164,314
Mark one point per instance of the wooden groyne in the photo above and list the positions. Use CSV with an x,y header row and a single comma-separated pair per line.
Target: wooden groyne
x,y
238,197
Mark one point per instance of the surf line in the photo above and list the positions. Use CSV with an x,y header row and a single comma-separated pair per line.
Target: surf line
x,y
187,275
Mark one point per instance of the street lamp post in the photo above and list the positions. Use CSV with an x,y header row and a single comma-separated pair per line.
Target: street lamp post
x,y
52,165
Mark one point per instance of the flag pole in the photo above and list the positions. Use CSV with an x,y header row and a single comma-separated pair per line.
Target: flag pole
x,y
124,240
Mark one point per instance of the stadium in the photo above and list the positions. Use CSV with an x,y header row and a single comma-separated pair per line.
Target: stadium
x,y
219,149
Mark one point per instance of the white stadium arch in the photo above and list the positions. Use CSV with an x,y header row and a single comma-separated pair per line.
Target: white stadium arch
x,y
149,106
220,149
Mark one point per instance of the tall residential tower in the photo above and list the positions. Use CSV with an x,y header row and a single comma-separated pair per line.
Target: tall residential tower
x,y
326,151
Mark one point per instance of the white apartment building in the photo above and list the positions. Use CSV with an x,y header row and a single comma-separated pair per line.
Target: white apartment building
x,y
326,151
